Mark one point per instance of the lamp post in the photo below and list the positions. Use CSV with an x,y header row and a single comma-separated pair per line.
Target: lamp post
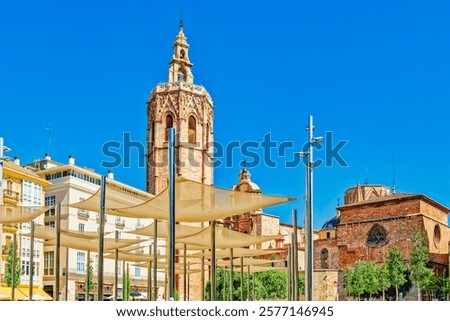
x,y
309,184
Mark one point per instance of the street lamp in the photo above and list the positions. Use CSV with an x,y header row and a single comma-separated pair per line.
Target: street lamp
x,y
309,253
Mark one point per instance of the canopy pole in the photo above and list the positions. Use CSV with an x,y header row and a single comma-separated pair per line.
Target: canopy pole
x,y
231,274
248,282
189,282
213,260
149,275
31,260
171,150
58,251
155,259
203,275
242,278
116,267
295,254
289,273
66,279
253,274
185,272
224,297
87,275
13,276
101,241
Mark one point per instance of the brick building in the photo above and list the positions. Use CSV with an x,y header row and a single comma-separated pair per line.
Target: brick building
x,y
372,221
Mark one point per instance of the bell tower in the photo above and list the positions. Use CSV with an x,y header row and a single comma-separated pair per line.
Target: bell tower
x,y
187,107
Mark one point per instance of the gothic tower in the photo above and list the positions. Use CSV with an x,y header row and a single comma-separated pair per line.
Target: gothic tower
x,y
187,107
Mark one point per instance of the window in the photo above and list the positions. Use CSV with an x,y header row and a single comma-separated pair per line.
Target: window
x,y
377,236
81,227
80,261
437,235
48,263
324,259
192,130
50,201
182,54
328,235
137,272
169,124
181,74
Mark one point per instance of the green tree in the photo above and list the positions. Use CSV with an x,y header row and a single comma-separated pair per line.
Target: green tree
x,y
90,277
275,284
421,275
395,268
9,267
353,282
446,285
383,277
126,287
370,276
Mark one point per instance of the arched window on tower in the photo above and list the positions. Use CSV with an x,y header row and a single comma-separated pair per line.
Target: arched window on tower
x,y
192,128
182,54
324,259
169,124
181,74
377,235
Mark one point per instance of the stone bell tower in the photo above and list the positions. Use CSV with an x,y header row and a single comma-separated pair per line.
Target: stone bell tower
x,y
187,107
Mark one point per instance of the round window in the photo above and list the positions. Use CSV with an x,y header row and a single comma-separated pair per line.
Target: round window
x,y
437,235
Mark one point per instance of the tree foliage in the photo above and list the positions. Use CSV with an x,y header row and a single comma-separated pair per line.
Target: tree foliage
x,y
9,267
395,269
362,278
421,275
90,277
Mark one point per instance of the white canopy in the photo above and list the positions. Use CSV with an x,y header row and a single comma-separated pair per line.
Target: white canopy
x,y
11,214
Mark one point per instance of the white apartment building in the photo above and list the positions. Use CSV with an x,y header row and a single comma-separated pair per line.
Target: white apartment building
x,y
72,184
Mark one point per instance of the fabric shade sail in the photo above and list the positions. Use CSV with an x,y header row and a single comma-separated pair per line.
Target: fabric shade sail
x,y
225,238
49,233
10,214
194,202
85,244
132,257
237,252
248,261
116,197
181,231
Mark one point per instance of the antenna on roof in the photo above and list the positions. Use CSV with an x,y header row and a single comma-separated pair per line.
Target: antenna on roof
x,y
181,15
367,177
244,164
393,174
48,127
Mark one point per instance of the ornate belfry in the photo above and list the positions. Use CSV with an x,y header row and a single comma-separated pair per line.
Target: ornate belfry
x,y
187,107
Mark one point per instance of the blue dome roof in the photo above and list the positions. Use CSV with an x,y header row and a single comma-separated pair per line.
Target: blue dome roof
x,y
331,223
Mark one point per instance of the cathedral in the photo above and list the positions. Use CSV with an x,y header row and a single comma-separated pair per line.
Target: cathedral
x,y
371,222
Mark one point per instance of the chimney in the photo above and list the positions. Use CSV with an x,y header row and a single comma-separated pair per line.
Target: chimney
x,y
48,157
17,160
110,174
71,160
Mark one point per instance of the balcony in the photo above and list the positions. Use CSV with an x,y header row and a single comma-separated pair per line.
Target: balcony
x,y
11,195
83,214
120,223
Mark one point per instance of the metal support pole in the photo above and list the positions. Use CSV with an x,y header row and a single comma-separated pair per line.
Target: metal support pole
x,y
87,275
289,273
58,251
155,259
248,282
30,294
203,275
13,276
116,267
149,275
171,157
185,273
231,274
295,254
66,279
101,241
309,217
213,261
242,278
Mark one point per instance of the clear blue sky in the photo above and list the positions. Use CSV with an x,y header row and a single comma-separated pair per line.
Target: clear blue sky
x,y
375,73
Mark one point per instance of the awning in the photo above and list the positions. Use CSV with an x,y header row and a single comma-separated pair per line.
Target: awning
x,y
38,293
10,214
194,202
5,294
181,230
225,238
91,245
116,197
248,261
49,233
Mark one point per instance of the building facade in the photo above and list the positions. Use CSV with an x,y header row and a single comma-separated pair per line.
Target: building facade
x,y
71,184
